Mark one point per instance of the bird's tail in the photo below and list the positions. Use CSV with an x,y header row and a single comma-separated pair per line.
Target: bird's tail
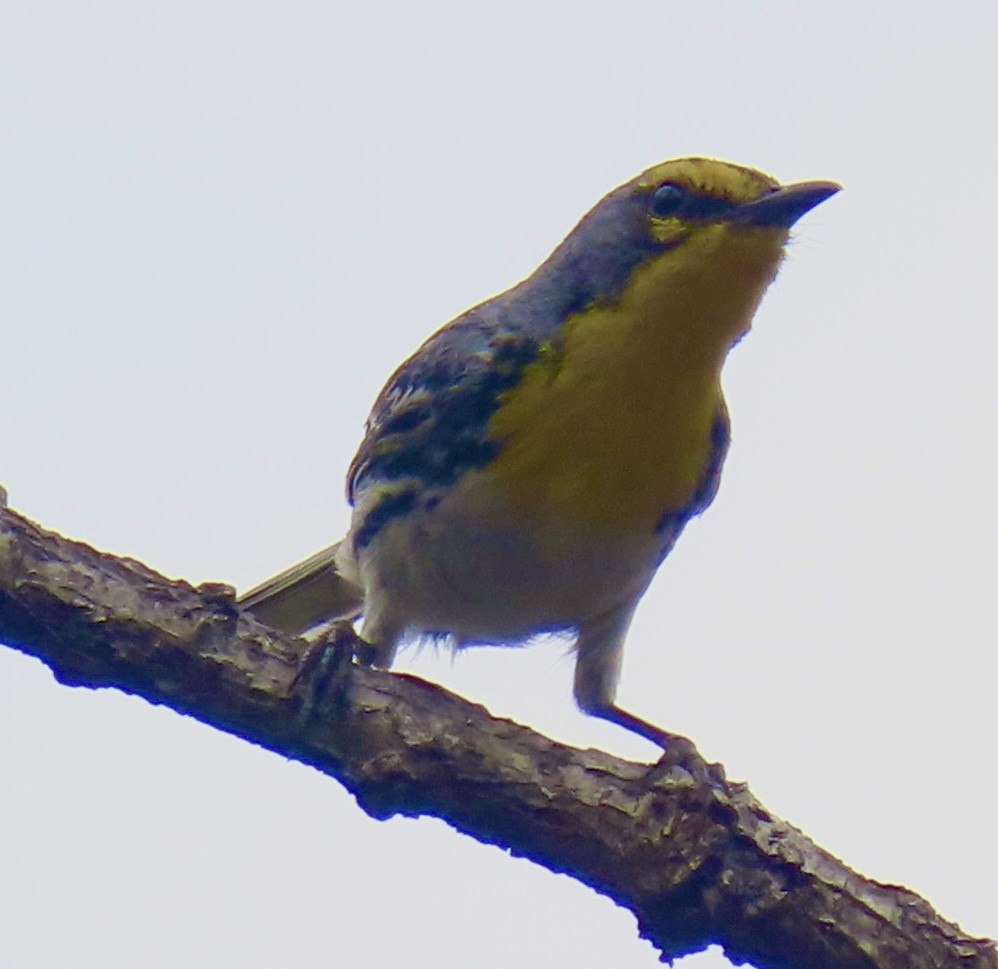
x,y
309,594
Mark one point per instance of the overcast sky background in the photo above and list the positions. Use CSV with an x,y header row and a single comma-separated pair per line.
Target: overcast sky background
x,y
222,225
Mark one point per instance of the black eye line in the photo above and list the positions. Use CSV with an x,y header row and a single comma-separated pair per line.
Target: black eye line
x,y
697,206
707,207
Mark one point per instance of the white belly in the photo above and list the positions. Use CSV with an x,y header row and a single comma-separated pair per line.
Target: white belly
x,y
475,568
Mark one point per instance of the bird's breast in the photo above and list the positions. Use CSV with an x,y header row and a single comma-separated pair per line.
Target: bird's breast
x,y
615,427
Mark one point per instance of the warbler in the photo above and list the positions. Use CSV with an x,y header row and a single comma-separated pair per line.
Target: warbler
x,y
528,469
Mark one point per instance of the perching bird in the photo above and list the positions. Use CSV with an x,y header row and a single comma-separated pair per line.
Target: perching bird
x,y
531,465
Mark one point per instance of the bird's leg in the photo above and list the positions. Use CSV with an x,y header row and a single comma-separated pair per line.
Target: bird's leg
x,y
599,651
381,632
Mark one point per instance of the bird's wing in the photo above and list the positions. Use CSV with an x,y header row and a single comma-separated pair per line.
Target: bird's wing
x,y
428,424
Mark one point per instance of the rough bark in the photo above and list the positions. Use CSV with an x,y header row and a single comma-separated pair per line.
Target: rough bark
x,y
694,856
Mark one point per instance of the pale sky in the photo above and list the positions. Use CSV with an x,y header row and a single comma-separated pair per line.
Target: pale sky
x,y
222,225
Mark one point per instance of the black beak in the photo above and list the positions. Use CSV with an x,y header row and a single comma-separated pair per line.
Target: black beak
x,y
784,206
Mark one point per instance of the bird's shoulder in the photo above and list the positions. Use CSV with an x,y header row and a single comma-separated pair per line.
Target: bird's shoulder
x,y
428,423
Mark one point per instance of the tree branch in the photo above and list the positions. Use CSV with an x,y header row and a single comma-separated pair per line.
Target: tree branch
x,y
694,856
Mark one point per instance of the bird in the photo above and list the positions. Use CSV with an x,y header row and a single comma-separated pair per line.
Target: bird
x,y
530,466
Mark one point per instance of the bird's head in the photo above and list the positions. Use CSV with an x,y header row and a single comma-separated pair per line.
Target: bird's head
x,y
686,234
695,204
687,197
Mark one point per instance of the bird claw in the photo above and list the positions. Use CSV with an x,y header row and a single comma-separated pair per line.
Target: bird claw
x,y
325,669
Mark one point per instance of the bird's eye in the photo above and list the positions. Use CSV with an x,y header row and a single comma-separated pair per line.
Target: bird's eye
x,y
666,200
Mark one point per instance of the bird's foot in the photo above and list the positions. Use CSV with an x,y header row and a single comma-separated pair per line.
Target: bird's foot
x,y
325,668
